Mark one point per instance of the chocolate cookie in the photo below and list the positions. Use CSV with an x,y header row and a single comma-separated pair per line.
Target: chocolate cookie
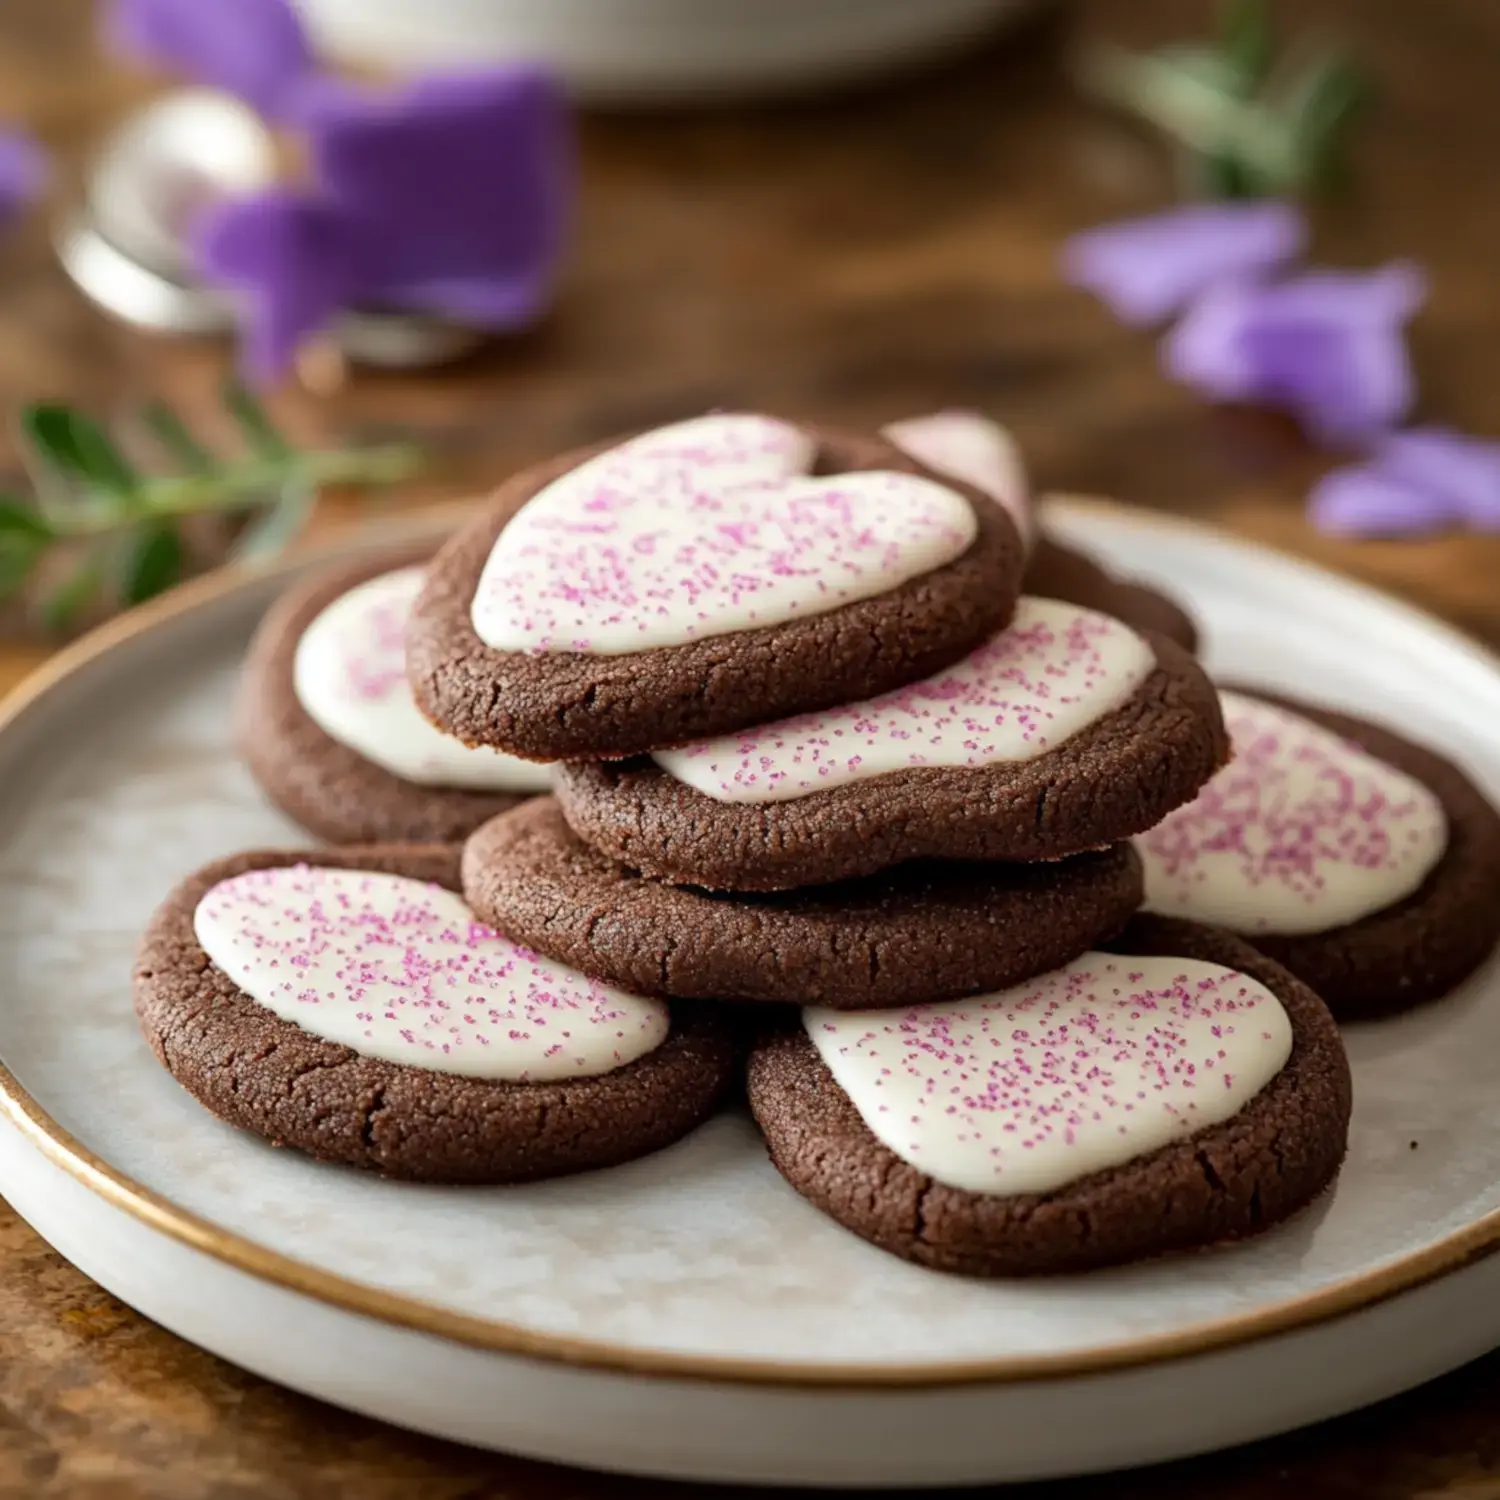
x,y
1083,1073
700,578
334,645
1054,571
1116,731
429,985
920,932
1365,864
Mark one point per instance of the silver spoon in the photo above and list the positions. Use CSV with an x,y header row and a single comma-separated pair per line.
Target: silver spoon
x,y
127,245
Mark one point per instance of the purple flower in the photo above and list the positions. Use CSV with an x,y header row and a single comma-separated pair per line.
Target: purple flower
x,y
449,197
1364,501
1147,269
293,258
256,49
1423,480
1462,471
1329,346
23,173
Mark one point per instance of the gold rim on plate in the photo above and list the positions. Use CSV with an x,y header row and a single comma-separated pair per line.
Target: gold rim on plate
x,y
1353,1294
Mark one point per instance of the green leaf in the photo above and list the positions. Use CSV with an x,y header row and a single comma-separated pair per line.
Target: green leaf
x,y
1222,176
18,518
260,432
75,593
1246,40
1319,109
1206,66
76,446
279,527
169,430
19,554
24,537
153,563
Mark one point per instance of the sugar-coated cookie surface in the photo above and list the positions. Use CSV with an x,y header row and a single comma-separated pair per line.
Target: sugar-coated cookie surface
x,y
1054,571
701,529
1364,863
1055,671
393,974
1042,761
919,932
333,750
1087,1067
400,969
1043,1088
349,674
603,605
1300,832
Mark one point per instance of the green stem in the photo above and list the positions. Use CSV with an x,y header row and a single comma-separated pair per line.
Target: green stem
x,y
1198,114
243,486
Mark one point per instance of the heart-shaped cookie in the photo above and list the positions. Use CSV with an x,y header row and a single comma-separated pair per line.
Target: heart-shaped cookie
x,y
1172,1092
717,574
1303,831
1067,732
344,1002
1029,689
1081,1069
702,529
349,674
400,970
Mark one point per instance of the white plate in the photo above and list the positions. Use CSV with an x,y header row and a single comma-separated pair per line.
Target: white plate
x,y
647,51
688,1315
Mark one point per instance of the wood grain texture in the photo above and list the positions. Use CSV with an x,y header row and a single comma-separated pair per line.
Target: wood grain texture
x,y
857,260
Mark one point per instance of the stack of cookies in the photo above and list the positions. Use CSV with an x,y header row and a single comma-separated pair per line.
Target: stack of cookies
x,y
839,807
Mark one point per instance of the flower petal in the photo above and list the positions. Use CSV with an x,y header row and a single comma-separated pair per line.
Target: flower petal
x,y
972,448
293,260
462,186
1464,471
256,49
1364,500
1389,295
1206,349
23,172
1146,269
1328,346
1346,384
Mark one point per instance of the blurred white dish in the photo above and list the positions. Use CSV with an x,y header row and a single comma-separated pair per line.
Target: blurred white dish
x,y
643,50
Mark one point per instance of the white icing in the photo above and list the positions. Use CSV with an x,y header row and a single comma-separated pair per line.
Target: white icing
x,y
349,675
966,446
1085,1068
1301,832
401,971
702,529
1055,671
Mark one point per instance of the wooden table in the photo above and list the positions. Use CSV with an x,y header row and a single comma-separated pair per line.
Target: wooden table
x,y
859,261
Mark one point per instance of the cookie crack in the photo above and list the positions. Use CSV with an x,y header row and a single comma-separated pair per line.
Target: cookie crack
x,y
919,1227
376,1106
664,961
1210,1174
305,1070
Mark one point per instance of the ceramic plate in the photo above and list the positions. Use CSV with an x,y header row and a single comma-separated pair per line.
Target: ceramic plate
x,y
649,51
688,1314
